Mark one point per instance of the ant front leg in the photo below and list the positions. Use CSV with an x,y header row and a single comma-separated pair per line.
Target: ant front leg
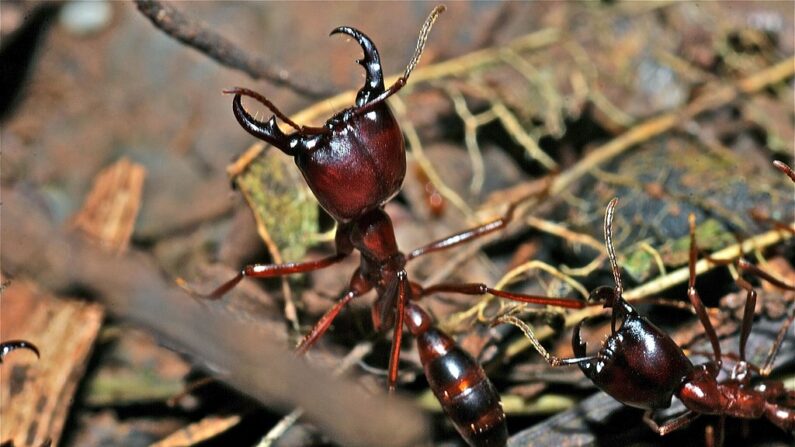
x,y
343,247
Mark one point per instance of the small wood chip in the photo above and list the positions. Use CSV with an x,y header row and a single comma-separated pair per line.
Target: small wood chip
x,y
197,432
35,395
109,212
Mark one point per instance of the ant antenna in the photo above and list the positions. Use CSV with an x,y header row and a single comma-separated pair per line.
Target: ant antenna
x,y
422,39
611,252
401,81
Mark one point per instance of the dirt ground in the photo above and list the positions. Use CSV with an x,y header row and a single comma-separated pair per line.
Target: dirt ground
x,y
124,173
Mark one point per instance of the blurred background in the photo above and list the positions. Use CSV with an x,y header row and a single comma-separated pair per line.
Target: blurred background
x,y
121,172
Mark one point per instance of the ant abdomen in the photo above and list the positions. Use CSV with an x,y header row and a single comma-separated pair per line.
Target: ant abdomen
x,y
468,397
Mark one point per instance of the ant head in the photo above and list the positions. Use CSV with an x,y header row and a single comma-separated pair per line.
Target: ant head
x,y
354,163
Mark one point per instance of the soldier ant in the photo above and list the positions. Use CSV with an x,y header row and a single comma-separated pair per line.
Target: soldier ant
x,y
7,346
354,165
641,366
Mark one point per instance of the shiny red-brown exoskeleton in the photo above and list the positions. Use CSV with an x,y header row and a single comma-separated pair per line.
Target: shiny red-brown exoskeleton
x,y
641,366
354,165
11,345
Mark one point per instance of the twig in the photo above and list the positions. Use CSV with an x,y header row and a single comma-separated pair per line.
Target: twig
x,y
354,356
244,351
196,35
653,127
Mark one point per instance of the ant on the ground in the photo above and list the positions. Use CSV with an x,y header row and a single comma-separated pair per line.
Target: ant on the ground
x,y
641,366
354,165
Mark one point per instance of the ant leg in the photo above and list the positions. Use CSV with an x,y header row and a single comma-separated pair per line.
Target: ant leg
x,y
265,271
323,323
721,430
464,236
551,359
341,242
372,64
767,368
672,425
358,287
481,289
695,299
781,416
756,271
746,266
779,403
748,314
397,335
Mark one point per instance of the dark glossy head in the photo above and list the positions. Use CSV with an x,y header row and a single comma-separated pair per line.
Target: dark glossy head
x,y
638,365
358,161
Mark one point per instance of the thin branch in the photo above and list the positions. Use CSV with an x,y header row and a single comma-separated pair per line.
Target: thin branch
x,y
245,353
198,36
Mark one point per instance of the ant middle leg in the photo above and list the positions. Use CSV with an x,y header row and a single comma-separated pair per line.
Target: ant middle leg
x,y
482,289
465,236
767,368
